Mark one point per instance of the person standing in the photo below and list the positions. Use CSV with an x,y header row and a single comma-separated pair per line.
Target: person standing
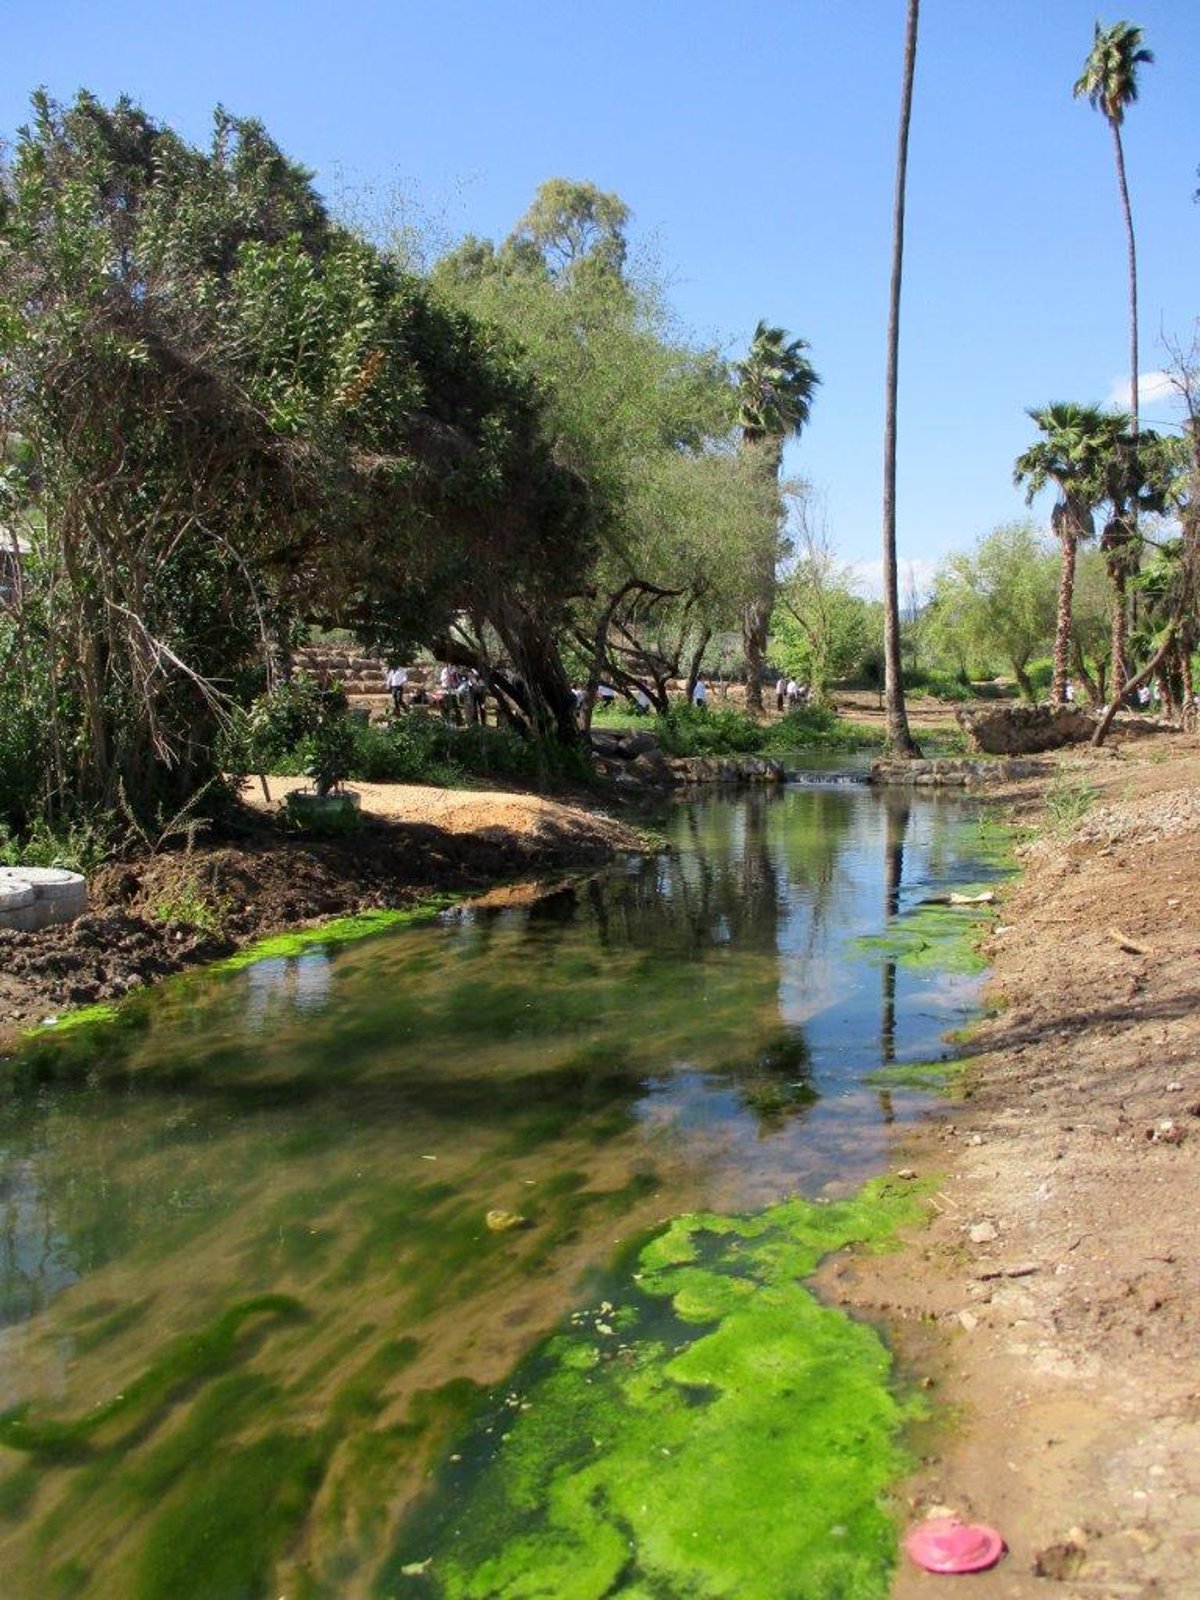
x,y
780,692
700,693
397,680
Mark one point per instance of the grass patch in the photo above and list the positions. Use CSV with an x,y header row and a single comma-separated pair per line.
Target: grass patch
x,y
1066,804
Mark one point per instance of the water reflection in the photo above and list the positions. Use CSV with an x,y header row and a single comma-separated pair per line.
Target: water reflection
x,y
244,1238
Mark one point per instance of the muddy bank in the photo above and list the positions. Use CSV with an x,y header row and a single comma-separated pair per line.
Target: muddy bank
x,y
163,913
1052,1304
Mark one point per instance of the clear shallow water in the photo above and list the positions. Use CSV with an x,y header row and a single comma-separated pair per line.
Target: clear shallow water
x,y
248,1292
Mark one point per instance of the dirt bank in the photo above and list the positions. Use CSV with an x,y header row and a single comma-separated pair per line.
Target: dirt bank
x,y
156,915
1053,1302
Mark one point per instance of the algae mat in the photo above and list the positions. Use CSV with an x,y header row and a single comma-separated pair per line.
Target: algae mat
x,y
712,1431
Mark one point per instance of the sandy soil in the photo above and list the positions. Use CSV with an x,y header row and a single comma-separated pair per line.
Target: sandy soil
x,y
1052,1305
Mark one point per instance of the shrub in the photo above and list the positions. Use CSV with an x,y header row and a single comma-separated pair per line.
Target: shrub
x,y
818,727
701,731
79,846
1041,675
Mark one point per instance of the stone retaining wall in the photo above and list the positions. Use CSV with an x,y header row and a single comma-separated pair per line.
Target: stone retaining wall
x,y
953,772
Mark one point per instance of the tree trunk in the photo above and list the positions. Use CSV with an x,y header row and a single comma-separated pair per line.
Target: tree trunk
x,y
1133,290
1120,630
756,616
1118,661
1062,626
899,738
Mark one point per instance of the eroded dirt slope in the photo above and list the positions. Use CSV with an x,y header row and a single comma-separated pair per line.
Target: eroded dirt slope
x,y
1055,1301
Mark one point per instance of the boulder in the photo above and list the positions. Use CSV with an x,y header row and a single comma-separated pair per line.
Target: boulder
x,y
1024,730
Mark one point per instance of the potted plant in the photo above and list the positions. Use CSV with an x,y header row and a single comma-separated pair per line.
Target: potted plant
x,y
330,750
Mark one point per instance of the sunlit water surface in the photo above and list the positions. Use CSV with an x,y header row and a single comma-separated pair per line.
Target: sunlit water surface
x,y
248,1288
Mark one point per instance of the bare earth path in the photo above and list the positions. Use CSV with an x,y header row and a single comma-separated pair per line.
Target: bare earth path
x,y
1055,1299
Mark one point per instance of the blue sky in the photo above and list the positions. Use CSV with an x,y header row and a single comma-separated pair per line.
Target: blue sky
x,y
755,146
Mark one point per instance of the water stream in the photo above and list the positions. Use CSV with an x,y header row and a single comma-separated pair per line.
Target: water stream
x,y
273,1243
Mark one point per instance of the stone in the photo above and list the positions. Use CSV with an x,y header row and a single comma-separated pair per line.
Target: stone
x,y
1025,730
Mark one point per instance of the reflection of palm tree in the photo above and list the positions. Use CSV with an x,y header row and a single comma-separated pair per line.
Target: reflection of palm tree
x,y
776,383
898,811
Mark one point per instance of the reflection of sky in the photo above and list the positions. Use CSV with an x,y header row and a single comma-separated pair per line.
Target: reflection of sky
x,y
294,983
35,1258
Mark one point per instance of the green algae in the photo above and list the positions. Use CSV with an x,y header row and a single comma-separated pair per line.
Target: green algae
x,y
933,937
711,1430
185,1361
927,1077
339,931
328,935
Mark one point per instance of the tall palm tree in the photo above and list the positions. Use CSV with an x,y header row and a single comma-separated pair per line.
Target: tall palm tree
x,y
1109,80
775,392
1136,479
899,738
1074,453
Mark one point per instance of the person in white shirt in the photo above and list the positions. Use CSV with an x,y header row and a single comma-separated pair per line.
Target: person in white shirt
x,y
396,680
700,693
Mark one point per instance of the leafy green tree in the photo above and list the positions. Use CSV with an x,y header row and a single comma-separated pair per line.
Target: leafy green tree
x,y
240,418
899,737
643,419
997,602
821,629
1109,81
776,384
1073,453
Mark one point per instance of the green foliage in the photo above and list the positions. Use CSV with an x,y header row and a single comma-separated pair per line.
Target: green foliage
x,y
237,415
996,603
821,630
939,686
702,731
643,417
79,846
818,727
189,902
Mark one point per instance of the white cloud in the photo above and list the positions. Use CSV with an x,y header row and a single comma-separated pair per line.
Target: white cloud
x,y
1154,389
866,578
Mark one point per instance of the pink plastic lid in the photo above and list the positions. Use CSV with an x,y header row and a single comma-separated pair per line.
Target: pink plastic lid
x,y
944,1544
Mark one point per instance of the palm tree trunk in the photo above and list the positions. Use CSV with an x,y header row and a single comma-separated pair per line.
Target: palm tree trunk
x,y
1062,626
1118,660
1120,630
1133,293
899,738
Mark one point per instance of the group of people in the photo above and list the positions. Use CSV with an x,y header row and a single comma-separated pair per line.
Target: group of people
x,y
460,695
789,694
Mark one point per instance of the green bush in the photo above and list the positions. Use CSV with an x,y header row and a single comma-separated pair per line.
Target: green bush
x,y
423,748
701,731
818,727
940,686
1041,675
78,846
278,723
